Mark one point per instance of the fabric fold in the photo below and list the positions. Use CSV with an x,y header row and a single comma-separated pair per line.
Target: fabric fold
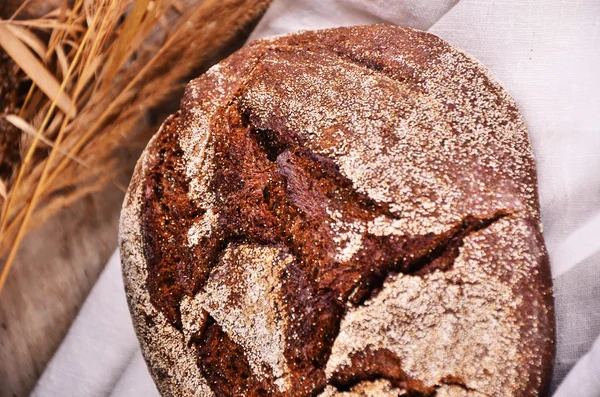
x,y
584,378
287,16
99,345
136,380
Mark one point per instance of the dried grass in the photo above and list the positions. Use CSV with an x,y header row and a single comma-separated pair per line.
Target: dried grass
x,y
96,67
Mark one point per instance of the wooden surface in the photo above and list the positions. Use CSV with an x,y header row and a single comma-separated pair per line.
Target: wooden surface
x,y
56,268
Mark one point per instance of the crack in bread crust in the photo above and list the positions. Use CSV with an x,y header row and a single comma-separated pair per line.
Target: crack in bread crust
x,y
373,364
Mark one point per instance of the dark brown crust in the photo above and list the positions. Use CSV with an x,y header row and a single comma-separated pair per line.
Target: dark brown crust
x,y
224,365
370,365
273,188
166,212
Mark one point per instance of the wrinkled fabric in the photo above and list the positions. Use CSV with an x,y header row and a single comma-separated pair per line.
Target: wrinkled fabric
x,y
546,54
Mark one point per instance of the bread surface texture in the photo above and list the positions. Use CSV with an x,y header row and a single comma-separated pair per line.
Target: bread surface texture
x,y
344,212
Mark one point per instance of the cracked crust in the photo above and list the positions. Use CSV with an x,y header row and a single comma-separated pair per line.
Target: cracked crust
x,y
345,212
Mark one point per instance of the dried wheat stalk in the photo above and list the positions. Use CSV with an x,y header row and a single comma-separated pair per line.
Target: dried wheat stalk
x,y
95,67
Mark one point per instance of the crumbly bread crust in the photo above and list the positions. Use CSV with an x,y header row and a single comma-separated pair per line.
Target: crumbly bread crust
x,y
345,212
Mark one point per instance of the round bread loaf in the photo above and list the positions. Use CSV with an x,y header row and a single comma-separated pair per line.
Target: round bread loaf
x,y
345,212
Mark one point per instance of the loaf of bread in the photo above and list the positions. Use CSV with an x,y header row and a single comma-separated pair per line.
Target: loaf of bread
x,y
345,212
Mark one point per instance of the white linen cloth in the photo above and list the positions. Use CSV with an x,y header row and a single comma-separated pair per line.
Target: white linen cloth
x,y
546,53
